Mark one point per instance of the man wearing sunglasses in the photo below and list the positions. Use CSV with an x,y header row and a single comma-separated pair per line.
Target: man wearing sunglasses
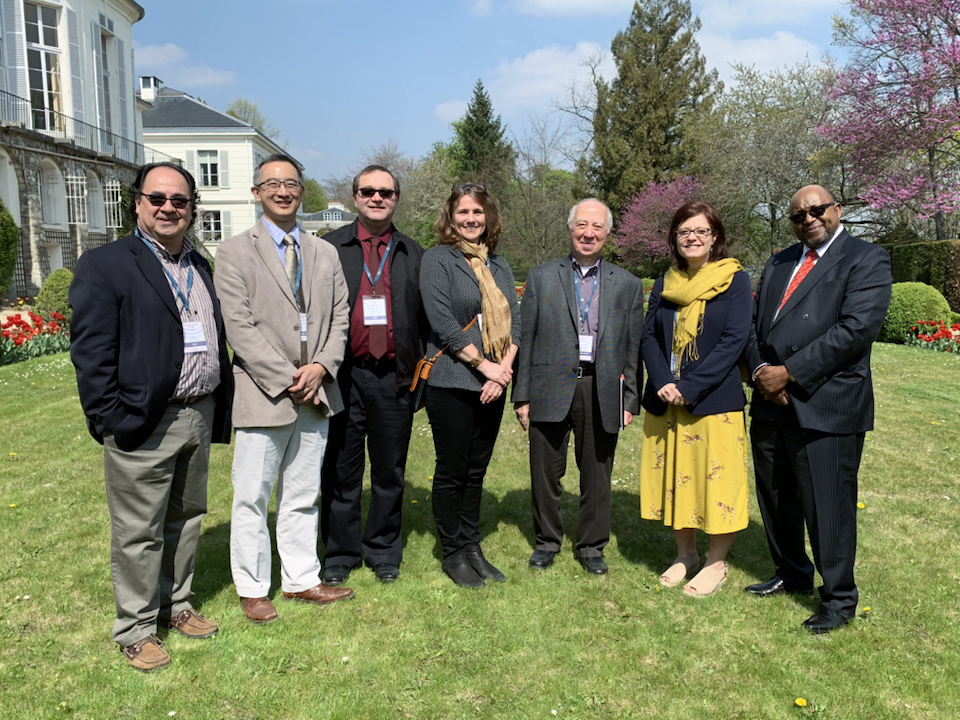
x,y
388,329
285,309
154,379
819,307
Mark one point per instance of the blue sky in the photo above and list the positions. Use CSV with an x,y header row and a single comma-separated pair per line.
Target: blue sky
x,y
340,78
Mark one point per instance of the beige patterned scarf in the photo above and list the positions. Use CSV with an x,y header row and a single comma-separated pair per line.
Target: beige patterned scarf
x,y
497,319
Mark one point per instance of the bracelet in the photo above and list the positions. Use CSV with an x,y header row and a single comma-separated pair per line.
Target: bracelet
x,y
476,360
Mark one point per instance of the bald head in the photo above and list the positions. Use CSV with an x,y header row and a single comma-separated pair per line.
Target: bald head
x,y
815,215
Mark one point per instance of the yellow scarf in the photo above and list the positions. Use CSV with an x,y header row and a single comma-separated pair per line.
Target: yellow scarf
x,y
691,290
497,318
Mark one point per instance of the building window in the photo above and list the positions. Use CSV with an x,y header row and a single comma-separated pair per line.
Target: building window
x,y
105,75
113,200
334,215
209,168
76,199
43,66
211,228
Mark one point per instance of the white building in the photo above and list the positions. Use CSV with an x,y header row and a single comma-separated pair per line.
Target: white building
x,y
335,216
69,136
219,150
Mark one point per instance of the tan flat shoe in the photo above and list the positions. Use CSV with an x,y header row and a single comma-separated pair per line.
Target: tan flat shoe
x,y
707,581
681,569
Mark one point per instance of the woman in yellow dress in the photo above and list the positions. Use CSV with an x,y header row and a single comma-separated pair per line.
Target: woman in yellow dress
x,y
694,462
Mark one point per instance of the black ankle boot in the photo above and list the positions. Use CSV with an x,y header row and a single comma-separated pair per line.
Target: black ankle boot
x,y
481,565
459,570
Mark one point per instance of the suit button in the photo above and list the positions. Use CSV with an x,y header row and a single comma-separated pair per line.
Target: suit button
x,y
296,327
794,348
805,316
179,365
179,331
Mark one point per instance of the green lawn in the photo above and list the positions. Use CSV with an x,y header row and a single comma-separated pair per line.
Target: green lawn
x,y
543,644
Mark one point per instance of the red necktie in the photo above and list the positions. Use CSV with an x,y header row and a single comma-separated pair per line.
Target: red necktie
x,y
378,333
808,261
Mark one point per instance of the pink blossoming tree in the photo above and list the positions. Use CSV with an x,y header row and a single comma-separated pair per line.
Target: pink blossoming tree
x,y
900,97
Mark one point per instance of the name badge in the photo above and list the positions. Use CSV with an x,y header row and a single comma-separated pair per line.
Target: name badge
x,y
586,348
303,327
194,340
374,310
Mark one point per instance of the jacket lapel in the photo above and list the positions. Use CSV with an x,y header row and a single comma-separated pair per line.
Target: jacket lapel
x,y
819,271
608,286
152,271
267,249
779,280
565,276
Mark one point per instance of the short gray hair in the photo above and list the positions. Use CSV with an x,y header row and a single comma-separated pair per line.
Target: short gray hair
x,y
573,212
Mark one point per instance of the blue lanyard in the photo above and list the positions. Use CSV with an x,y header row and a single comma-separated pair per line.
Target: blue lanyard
x,y
184,299
383,261
584,313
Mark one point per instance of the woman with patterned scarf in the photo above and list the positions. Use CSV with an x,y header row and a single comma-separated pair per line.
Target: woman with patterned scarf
x,y
470,299
694,460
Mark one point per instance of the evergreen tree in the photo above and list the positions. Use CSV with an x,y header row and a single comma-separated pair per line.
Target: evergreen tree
x,y
644,115
314,199
480,153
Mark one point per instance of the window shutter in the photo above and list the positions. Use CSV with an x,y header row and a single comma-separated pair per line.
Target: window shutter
x,y
123,92
192,164
98,65
224,171
16,48
76,74
225,228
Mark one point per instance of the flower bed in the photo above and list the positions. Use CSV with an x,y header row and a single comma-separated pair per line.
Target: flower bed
x,y
23,339
935,335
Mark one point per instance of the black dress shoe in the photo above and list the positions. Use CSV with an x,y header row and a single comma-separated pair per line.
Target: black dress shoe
x,y
542,559
386,573
481,565
776,586
825,620
593,564
335,574
459,570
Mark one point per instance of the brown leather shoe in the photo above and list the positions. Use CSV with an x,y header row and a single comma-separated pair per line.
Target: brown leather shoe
x,y
194,625
321,594
258,610
147,655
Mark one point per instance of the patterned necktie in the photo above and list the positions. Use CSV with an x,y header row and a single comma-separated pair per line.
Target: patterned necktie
x,y
378,333
290,261
808,262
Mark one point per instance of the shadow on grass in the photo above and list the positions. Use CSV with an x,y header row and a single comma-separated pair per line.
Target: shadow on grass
x,y
212,574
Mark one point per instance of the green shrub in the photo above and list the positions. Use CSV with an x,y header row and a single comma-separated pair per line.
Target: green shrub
x,y
53,295
647,285
954,318
9,239
912,301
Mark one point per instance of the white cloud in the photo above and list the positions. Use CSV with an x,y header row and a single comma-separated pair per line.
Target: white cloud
x,y
169,63
763,53
480,7
573,7
450,110
535,80
725,16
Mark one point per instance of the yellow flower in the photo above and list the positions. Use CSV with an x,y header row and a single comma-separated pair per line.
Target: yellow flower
x,y
13,506
861,506
800,702
867,609
413,502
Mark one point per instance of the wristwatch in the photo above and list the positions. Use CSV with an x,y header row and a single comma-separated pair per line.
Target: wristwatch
x,y
476,360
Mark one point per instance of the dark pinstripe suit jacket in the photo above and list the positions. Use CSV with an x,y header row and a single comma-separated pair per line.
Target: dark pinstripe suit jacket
x,y
823,334
549,354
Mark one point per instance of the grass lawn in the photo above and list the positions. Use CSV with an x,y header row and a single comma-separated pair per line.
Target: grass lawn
x,y
543,644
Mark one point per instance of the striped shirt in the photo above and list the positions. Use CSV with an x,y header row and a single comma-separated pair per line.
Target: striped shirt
x,y
200,373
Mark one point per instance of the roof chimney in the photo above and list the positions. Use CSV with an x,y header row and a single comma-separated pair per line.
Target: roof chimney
x,y
149,87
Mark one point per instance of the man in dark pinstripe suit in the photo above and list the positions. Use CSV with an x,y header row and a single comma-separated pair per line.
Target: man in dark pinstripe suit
x,y
818,310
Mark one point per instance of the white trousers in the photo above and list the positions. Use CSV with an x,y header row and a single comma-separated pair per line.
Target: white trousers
x,y
288,457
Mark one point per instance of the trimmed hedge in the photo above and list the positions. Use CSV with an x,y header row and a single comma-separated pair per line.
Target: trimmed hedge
x,y
912,301
53,295
933,263
9,240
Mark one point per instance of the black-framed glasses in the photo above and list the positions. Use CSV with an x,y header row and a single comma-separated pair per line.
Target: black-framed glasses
x,y
159,200
385,193
817,211
273,184
467,187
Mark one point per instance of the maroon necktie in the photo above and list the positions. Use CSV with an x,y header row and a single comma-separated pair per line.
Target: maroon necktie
x,y
808,261
378,333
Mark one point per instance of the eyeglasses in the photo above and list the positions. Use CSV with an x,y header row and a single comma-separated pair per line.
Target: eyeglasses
x,y
817,211
700,233
467,187
273,184
385,193
159,200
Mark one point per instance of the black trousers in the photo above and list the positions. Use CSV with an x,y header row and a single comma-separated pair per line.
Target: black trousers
x,y
464,433
594,449
806,476
378,419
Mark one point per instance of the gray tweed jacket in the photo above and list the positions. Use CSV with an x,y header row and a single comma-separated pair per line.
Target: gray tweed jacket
x,y
451,299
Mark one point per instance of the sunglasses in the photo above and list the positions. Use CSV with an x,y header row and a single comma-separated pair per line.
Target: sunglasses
x,y
159,200
816,211
467,187
370,192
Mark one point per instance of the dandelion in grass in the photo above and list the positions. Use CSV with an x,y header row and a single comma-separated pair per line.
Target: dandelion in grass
x,y
13,506
800,702
861,505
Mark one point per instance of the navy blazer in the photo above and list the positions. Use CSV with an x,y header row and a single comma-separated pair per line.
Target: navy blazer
x,y
126,342
823,334
712,383
410,327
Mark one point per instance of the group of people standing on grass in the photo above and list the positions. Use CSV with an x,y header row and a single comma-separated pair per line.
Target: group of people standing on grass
x,y
327,335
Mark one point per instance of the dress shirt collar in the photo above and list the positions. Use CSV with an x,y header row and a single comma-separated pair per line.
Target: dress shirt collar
x,y
278,235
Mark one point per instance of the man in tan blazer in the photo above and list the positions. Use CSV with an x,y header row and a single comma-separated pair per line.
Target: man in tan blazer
x,y
284,302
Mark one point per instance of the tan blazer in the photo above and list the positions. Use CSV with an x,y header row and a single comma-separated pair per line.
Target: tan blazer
x,y
262,320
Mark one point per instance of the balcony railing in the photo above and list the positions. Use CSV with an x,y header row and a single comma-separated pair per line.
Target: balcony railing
x,y
19,112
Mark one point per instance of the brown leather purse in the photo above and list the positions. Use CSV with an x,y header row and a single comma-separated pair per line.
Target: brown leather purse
x,y
420,374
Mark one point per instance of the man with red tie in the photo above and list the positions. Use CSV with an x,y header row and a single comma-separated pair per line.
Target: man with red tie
x,y
388,329
819,307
